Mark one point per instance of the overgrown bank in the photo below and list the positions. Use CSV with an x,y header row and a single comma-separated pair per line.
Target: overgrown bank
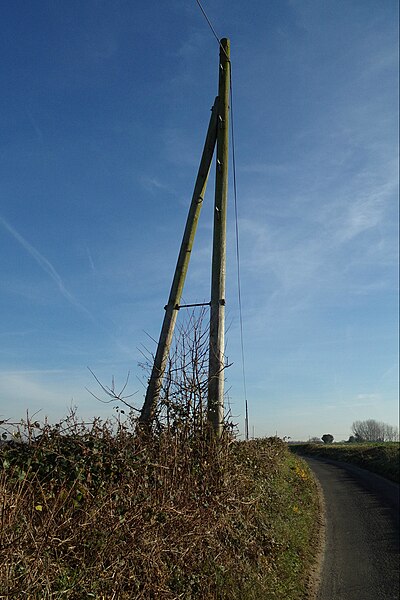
x,y
98,513
381,458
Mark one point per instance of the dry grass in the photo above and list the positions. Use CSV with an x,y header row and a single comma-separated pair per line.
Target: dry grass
x,y
100,512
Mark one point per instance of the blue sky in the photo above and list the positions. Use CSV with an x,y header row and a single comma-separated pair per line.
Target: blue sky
x,y
104,109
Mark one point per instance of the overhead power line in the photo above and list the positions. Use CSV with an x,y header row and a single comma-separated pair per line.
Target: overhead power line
x,y
208,20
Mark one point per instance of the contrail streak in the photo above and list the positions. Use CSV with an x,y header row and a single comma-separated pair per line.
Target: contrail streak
x,y
45,265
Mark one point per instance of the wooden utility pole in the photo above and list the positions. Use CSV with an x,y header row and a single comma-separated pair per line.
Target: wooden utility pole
x,y
215,411
171,309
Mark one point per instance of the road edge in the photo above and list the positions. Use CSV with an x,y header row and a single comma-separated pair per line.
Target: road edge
x,y
319,538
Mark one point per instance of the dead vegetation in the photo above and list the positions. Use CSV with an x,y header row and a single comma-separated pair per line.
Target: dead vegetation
x,y
104,510
90,512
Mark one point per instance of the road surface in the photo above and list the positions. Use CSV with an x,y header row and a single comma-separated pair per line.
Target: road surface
x,y
361,558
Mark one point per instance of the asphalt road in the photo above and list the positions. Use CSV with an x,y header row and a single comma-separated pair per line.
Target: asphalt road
x,y
361,558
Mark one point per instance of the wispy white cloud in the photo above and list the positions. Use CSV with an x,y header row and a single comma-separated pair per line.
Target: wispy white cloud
x,y
361,203
266,168
179,147
366,399
33,390
52,392
154,184
391,373
101,48
290,260
303,230
17,333
25,372
90,259
46,266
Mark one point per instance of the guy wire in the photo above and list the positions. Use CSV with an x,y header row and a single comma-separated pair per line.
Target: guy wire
x,y
238,264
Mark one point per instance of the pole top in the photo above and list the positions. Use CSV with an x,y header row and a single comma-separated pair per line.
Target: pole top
x,y
225,47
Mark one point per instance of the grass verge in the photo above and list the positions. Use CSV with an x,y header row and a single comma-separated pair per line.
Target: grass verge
x,y
99,513
381,458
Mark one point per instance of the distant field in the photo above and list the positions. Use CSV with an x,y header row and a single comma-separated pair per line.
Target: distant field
x,y
380,458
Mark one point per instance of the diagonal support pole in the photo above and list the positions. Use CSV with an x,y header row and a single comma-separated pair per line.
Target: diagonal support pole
x,y
171,309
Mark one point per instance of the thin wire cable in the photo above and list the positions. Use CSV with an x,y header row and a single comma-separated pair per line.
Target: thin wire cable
x,y
208,20
236,221
212,28
238,262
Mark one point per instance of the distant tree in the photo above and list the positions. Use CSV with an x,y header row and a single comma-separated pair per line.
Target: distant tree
x,y
327,438
374,431
315,440
391,433
352,439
